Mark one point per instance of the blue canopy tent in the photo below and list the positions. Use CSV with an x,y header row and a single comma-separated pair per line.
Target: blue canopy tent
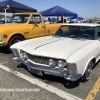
x,y
13,7
57,11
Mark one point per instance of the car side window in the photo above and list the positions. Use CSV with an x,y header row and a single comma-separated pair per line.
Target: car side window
x,y
35,19
19,18
98,31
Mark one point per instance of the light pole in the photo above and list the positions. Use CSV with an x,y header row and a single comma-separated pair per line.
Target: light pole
x,y
6,11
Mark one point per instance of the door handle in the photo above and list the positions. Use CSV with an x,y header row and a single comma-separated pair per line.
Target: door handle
x,y
43,26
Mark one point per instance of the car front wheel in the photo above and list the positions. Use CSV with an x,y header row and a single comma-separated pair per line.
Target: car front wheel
x,y
14,40
88,72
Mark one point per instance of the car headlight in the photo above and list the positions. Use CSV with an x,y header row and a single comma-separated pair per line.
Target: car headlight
x,y
15,52
52,63
61,63
23,55
72,69
0,38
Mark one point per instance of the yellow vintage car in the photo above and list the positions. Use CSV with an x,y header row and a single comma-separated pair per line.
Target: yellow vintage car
x,y
24,26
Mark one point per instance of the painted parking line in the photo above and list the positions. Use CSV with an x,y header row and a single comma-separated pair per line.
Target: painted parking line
x,y
41,84
5,62
94,90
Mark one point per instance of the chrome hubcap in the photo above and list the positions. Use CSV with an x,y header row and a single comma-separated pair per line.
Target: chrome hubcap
x,y
89,70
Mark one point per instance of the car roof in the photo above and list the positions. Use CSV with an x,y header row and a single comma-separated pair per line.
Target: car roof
x,y
82,24
26,13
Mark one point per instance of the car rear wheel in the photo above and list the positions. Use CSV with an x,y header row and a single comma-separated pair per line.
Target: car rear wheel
x,y
88,72
14,40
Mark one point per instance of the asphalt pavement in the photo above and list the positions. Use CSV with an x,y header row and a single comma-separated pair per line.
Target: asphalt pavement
x,y
15,76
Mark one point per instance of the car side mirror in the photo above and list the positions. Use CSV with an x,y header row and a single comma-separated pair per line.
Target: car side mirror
x,y
99,39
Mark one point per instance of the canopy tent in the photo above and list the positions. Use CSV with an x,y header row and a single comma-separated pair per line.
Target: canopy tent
x,y
57,11
78,18
13,7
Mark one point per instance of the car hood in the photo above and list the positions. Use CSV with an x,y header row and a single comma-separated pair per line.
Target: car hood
x,y
53,46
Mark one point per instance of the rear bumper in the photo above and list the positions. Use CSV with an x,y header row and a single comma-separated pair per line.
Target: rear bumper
x,y
1,44
49,70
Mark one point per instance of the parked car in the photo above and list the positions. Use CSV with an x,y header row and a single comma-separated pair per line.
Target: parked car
x,y
71,52
2,22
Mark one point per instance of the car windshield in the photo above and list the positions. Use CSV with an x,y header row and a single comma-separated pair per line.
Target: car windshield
x,y
19,18
76,32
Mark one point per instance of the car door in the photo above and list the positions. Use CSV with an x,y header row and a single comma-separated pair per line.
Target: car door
x,y
97,35
35,25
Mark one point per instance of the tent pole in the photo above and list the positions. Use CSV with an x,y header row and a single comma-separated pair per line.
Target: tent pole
x,y
63,19
5,15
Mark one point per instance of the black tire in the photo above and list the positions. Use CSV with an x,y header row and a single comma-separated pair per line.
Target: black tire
x,y
88,72
14,40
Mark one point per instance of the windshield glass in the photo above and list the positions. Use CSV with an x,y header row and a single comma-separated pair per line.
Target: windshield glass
x,y
19,18
76,32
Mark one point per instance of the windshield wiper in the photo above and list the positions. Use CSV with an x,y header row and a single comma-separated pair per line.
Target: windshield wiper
x,y
73,36
57,36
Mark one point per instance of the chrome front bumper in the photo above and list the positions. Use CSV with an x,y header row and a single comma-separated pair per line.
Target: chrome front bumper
x,y
49,70
1,44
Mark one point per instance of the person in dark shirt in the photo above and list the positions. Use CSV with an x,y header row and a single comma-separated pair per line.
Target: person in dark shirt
x,y
61,20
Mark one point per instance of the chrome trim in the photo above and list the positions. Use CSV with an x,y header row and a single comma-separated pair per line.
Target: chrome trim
x,y
17,59
74,78
37,63
15,52
1,44
50,70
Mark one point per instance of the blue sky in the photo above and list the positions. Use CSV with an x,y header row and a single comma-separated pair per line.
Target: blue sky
x,y
84,8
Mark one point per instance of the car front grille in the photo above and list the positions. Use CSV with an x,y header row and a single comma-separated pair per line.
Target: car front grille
x,y
39,59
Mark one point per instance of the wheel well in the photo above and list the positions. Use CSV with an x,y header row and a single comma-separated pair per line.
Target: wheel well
x,y
16,35
94,60
83,78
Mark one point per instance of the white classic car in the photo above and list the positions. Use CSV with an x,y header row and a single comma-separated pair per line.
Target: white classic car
x,y
71,52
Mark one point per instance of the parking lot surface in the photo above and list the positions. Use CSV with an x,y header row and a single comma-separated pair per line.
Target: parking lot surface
x,y
15,75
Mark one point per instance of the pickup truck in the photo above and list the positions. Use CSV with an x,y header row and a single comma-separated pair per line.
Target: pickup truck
x,y
24,26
